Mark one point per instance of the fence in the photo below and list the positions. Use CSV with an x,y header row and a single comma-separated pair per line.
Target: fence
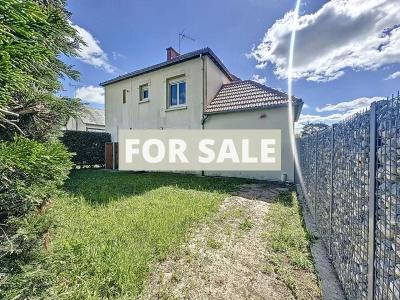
x,y
351,175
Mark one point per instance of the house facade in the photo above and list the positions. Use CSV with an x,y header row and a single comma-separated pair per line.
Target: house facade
x,y
196,91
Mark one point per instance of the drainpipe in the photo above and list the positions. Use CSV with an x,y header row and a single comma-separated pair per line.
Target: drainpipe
x,y
204,85
203,120
204,94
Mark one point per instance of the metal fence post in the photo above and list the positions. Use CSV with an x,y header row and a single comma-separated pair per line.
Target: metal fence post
x,y
316,178
331,183
372,202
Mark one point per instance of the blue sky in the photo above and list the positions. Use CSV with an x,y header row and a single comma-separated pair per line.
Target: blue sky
x,y
347,52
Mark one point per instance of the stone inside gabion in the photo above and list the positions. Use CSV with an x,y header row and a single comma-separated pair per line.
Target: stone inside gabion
x,y
348,153
335,170
387,253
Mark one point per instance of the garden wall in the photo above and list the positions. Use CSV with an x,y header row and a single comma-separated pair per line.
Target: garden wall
x,y
351,176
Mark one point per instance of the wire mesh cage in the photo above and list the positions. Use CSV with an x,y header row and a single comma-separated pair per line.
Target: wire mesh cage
x,y
387,242
351,176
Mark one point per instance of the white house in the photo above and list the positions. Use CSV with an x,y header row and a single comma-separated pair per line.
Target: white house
x,y
196,91
90,119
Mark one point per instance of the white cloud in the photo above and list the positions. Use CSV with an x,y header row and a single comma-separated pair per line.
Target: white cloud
x,y
359,103
259,79
329,119
305,105
91,53
91,94
117,55
356,34
342,110
393,76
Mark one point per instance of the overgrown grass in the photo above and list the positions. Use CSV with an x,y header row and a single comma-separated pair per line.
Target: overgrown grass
x,y
288,247
111,227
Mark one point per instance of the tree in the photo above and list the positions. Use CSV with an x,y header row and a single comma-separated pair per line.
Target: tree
x,y
312,128
33,35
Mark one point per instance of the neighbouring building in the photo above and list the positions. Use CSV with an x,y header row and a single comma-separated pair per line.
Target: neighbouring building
x,y
196,91
90,119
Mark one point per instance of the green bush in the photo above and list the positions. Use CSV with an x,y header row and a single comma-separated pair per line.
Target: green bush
x,y
30,175
89,147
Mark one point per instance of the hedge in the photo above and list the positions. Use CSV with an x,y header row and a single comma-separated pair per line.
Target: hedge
x,y
89,147
31,174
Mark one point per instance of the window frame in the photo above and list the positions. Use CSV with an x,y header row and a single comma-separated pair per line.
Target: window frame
x,y
142,87
176,81
124,96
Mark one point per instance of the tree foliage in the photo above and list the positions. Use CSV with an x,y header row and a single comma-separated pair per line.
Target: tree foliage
x,y
33,35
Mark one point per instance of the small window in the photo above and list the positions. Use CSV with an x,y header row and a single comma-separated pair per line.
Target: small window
x,y
177,93
124,96
144,92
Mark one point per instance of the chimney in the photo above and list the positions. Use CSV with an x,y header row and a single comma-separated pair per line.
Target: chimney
x,y
171,53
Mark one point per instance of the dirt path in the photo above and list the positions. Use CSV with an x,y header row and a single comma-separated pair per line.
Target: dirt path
x,y
225,257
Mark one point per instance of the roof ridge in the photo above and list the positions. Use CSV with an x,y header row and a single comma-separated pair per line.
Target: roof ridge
x,y
271,89
234,82
92,108
181,58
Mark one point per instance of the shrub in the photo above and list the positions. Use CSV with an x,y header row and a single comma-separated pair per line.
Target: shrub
x,y
30,175
30,172
89,147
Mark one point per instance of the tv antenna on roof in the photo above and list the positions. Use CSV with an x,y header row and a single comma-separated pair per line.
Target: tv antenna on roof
x,y
75,86
183,36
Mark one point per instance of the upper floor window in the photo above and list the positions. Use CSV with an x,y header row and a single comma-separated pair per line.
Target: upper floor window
x,y
177,92
124,95
144,92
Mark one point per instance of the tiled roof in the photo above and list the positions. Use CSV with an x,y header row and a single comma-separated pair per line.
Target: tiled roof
x,y
247,95
179,59
93,116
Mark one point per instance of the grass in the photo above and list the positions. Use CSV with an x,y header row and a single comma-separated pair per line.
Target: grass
x,y
287,243
214,244
246,225
110,228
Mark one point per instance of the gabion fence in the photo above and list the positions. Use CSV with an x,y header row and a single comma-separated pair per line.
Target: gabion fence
x,y
351,176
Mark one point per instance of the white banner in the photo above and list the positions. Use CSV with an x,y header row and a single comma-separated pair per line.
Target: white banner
x,y
196,150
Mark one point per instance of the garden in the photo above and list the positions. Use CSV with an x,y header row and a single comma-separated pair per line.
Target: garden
x,y
67,232
109,235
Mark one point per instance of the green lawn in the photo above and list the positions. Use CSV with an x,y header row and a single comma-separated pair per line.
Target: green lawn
x,y
111,226
287,243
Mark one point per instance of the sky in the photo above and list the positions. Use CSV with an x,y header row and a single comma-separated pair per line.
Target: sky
x,y
347,52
